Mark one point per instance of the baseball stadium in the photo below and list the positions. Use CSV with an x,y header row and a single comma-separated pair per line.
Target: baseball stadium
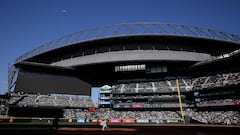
x,y
154,78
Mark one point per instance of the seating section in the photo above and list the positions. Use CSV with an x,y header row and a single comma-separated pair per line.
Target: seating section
x,y
219,102
3,107
157,95
153,87
218,80
215,117
112,114
199,83
77,113
33,100
207,117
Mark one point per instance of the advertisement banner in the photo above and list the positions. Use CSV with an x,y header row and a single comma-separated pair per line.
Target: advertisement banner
x,y
137,105
126,106
158,121
80,120
114,121
128,120
142,121
172,121
96,120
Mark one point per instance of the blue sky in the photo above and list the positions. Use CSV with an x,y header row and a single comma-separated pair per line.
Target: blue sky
x,y
26,24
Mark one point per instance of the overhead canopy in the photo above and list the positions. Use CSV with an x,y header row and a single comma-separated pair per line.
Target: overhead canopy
x,y
224,63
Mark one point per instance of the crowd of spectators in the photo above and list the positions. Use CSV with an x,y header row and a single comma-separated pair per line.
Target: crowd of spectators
x,y
153,87
218,80
159,94
113,114
3,107
207,117
217,102
38,100
77,113
214,117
